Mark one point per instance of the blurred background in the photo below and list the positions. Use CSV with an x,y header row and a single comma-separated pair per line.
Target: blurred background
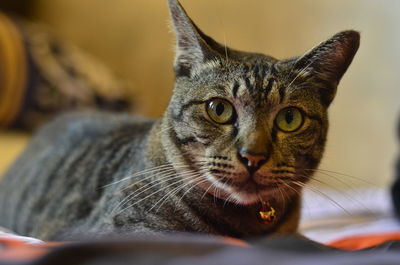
x,y
133,39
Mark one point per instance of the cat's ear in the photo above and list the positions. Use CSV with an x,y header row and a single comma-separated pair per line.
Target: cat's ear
x,y
193,47
329,61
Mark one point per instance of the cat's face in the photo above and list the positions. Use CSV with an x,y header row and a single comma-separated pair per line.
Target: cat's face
x,y
252,126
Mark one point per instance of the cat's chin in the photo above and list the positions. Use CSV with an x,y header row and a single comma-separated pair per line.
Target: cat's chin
x,y
250,198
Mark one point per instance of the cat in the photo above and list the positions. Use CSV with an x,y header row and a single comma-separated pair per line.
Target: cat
x,y
241,136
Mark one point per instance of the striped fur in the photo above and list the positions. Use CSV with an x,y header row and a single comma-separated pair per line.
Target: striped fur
x,y
87,172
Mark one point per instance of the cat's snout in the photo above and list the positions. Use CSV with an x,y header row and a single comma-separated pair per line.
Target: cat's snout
x,y
251,160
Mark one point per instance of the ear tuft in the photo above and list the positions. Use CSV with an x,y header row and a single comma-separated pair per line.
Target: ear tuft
x,y
333,56
330,60
191,48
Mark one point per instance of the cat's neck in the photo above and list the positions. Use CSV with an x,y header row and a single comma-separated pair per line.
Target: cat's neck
x,y
161,144
243,221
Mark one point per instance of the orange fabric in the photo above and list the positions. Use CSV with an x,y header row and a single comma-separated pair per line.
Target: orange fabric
x,y
14,249
364,241
235,242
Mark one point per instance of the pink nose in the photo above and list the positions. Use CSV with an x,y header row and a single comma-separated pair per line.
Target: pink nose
x,y
252,161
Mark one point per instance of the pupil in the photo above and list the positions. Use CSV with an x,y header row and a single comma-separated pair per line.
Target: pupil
x,y
289,116
219,109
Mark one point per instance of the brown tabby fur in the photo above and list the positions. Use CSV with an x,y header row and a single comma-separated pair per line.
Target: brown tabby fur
x,y
87,172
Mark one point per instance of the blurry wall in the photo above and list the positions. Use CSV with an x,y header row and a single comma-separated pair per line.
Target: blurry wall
x,y
132,37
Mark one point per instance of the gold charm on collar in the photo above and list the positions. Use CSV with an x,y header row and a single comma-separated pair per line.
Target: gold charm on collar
x,y
267,213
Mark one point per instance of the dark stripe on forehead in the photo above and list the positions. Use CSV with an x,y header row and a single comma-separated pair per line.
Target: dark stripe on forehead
x,y
178,116
259,74
282,93
220,89
256,70
235,89
268,88
248,84
262,72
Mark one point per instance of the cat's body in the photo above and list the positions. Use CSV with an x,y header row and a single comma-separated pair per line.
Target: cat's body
x,y
243,132
56,200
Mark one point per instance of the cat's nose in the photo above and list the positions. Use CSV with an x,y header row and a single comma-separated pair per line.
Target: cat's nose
x,y
251,160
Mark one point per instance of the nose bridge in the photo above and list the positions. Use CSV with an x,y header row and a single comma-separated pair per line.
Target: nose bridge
x,y
256,140
254,151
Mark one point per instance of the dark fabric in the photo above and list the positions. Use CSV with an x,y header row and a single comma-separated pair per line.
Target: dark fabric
x,y
43,76
20,7
195,250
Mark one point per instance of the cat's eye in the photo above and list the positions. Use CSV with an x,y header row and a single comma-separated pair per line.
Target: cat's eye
x,y
220,110
289,119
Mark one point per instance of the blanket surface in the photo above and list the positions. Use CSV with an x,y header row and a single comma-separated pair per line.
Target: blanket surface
x,y
192,249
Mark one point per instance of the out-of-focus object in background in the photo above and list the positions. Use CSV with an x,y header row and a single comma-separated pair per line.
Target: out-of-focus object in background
x,y
41,76
396,184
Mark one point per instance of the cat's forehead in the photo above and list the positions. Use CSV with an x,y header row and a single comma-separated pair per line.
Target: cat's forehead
x,y
260,84
255,78
255,81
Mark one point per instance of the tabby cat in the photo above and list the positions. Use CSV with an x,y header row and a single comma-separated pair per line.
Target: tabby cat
x,y
242,135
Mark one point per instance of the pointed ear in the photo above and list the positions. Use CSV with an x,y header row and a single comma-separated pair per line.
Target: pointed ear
x,y
330,60
193,47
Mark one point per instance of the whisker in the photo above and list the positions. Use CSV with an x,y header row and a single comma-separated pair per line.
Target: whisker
x,y
173,192
316,191
346,185
341,174
186,192
346,195
168,173
180,175
206,191
197,175
150,195
282,192
145,188
165,129
152,184
299,74
227,200
168,168
143,172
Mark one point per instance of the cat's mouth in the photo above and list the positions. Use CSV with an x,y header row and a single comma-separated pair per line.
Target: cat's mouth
x,y
250,186
249,191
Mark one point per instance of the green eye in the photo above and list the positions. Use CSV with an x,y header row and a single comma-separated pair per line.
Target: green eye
x,y
220,110
289,119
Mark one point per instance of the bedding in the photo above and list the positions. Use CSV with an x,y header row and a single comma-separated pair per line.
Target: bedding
x,y
363,222
190,249
336,215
